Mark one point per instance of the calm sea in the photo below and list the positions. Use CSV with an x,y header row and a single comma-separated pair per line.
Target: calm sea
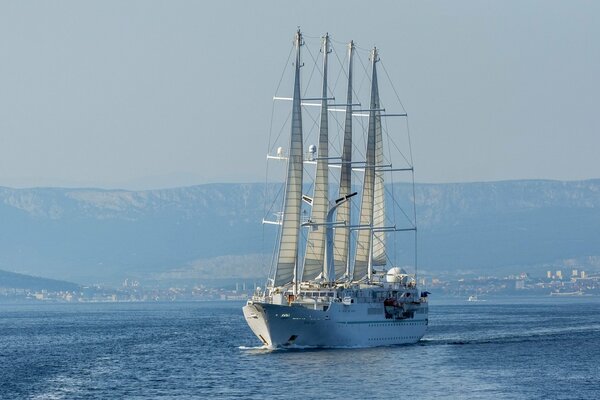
x,y
518,349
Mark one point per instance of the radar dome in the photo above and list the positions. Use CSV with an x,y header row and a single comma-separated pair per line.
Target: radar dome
x,y
396,275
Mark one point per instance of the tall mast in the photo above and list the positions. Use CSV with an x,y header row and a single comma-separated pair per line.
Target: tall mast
x,y
286,270
314,264
378,252
370,249
342,235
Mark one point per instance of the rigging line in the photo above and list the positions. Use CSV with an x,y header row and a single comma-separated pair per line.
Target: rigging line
x,y
267,161
304,35
359,151
273,263
357,49
270,209
362,121
365,134
311,180
342,70
313,127
262,247
397,204
332,89
413,223
314,63
409,144
337,41
287,63
386,129
275,198
404,110
335,180
363,49
415,216
393,87
264,256
341,63
273,268
273,106
271,127
337,132
283,126
392,141
337,136
366,74
409,162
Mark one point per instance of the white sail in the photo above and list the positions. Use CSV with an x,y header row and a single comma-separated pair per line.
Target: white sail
x,y
378,252
372,188
287,258
342,234
315,242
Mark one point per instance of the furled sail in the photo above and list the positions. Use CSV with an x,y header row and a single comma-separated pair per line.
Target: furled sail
x,y
315,242
372,206
287,257
342,234
378,252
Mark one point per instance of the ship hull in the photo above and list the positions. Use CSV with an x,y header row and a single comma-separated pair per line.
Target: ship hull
x,y
341,325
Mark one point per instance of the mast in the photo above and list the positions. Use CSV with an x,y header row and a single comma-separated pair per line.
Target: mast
x,y
286,269
314,260
342,234
378,253
370,245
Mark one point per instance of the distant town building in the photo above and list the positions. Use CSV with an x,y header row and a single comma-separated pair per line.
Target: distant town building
x,y
520,284
559,274
574,273
549,274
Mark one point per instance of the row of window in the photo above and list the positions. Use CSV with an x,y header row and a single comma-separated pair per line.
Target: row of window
x,y
397,323
395,338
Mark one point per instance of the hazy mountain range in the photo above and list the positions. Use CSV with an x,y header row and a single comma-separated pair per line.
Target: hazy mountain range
x,y
215,231
20,281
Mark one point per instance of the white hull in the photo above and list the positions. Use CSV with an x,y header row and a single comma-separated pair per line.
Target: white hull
x,y
341,325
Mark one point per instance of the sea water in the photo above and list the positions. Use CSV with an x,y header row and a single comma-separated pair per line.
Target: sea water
x,y
544,348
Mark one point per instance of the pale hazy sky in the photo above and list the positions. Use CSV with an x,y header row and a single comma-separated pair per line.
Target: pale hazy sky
x,y
148,94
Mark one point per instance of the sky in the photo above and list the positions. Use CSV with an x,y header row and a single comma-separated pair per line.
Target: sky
x,y
153,94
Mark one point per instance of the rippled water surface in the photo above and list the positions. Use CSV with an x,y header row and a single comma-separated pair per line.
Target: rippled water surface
x,y
527,348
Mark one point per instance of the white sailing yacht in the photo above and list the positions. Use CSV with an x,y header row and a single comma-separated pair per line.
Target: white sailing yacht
x,y
332,282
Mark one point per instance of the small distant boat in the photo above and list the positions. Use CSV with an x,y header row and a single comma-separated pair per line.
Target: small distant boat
x,y
565,294
474,298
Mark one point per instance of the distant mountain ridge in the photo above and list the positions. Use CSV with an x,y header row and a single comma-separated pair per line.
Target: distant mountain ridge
x,y
92,234
20,281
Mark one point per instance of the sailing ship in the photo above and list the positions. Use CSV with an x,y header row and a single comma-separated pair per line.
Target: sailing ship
x,y
332,284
